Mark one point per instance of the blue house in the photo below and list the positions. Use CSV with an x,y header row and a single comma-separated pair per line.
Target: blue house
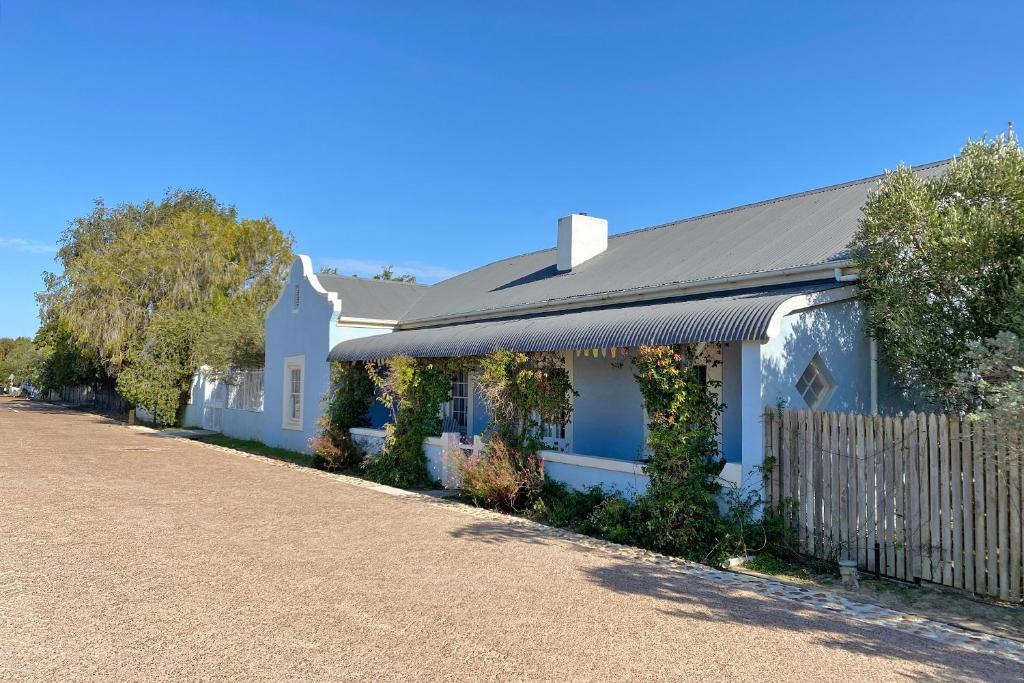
x,y
281,404
764,294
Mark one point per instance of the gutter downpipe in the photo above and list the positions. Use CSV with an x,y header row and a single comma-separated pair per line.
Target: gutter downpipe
x,y
837,273
874,375
872,344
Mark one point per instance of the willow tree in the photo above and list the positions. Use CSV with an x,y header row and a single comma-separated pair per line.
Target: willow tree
x,y
155,290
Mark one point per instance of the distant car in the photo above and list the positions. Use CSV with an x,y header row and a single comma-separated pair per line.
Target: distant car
x,y
26,389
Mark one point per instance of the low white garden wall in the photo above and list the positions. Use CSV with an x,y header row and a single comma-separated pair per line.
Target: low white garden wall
x,y
574,470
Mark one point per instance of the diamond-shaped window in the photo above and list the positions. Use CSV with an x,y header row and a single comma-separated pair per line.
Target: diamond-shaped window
x,y
816,384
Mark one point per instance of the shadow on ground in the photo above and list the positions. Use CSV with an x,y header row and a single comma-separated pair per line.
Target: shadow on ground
x,y
690,597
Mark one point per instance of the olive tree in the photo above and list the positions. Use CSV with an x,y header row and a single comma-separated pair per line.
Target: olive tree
x,y
941,261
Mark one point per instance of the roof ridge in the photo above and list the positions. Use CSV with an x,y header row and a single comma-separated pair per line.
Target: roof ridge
x,y
750,205
371,279
774,200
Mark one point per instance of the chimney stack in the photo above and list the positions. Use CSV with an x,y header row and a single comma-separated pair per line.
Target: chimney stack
x,y
580,238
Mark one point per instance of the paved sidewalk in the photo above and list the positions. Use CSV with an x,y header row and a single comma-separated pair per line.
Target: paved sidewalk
x,y
127,556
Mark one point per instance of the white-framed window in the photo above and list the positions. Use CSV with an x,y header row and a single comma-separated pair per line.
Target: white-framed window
x,y
558,435
294,378
455,412
295,307
816,384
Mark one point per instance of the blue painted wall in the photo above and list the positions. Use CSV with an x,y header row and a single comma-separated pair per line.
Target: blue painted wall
x,y
608,414
835,331
241,424
481,418
732,423
309,331
303,331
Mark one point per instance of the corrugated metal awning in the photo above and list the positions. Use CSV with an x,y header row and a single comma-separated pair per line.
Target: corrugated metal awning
x,y
724,317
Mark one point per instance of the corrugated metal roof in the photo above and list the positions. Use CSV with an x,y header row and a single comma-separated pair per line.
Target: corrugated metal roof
x,y
372,299
799,230
730,316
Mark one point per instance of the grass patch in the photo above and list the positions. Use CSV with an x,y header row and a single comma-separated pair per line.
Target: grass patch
x,y
259,448
766,563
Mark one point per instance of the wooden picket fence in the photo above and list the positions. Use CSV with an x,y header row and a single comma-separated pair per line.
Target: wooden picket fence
x,y
940,496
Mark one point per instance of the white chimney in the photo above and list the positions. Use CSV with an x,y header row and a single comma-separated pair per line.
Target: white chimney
x,y
580,238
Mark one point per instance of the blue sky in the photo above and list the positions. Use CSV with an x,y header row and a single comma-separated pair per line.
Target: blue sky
x,y
441,136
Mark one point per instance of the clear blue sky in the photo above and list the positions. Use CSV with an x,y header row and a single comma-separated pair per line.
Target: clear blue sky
x,y
441,136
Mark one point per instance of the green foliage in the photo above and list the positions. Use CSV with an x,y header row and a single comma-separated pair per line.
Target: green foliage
x,y
562,507
21,358
679,505
941,262
388,273
260,448
63,361
502,477
413,389
768,563
348,403
594,512
620,520
158,289
679,513
522,392
160,374
993,381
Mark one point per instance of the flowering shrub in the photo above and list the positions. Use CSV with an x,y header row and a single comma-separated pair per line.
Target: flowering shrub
x,y
334,450
348,404
501,477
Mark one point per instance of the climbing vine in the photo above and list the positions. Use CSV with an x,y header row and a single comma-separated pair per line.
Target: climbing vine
x,y
522,393
413,389
348,403
680,508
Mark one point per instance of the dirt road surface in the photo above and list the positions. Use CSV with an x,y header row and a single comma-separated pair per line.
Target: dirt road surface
x,y
131,557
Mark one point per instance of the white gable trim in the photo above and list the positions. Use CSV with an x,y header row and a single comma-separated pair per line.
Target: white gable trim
x,y
314,282
285,297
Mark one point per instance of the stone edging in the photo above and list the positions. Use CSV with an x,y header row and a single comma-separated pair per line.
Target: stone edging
x,y
815,598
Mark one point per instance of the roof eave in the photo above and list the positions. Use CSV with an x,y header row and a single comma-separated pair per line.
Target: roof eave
x,y
723,283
